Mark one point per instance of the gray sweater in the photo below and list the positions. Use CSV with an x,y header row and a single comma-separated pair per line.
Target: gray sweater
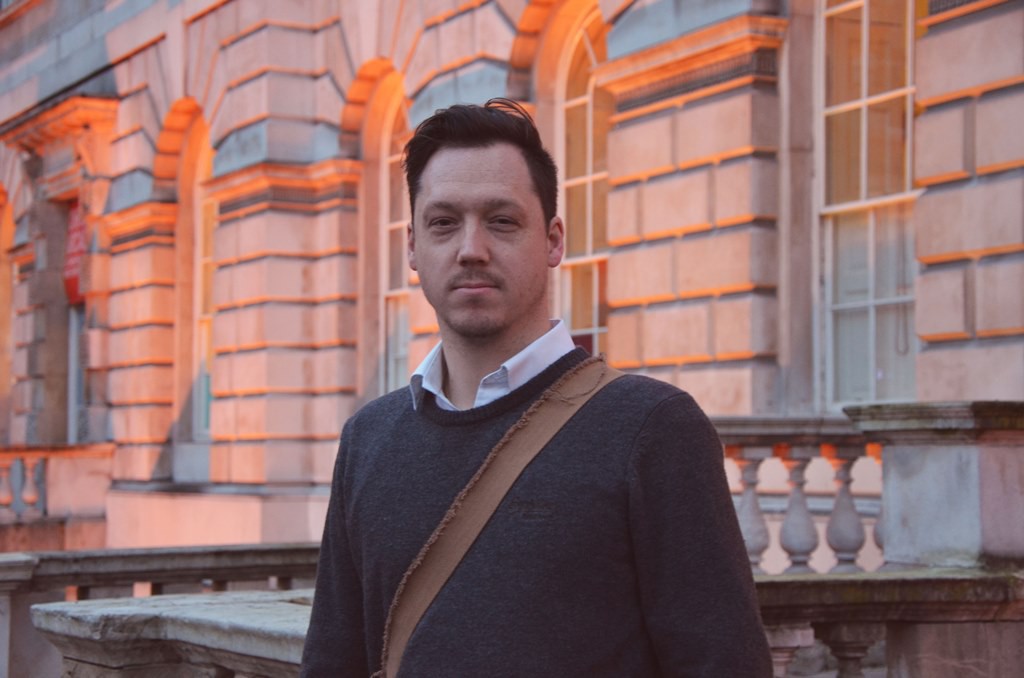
x,y
616,553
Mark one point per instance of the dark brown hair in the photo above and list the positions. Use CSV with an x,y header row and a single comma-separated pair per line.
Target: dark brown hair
x,y
472,126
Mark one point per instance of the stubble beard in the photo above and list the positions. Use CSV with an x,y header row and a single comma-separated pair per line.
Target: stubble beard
x,y
483,325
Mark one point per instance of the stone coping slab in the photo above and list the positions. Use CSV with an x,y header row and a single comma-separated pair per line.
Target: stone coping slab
x,y
258,632
262,632
913,595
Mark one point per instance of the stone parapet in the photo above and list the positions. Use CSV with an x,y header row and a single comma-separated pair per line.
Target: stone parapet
x,y
262,633
958,465
27,579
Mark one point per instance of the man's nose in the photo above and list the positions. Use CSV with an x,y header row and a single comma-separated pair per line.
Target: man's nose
x,y
474,245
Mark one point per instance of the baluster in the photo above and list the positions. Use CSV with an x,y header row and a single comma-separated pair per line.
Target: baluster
x,y
798,536
845,532
849,642
874,450
30,490
6,493
784,641
752,522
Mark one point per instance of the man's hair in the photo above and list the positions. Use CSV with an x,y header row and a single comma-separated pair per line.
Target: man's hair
x,y
472,126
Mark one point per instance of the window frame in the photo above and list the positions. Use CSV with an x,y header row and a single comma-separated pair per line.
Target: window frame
x,y
596,332
395,301
823,264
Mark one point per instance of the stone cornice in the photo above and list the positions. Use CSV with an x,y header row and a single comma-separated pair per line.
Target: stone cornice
x,y
941,422
315,187
742,46
159,217
67,120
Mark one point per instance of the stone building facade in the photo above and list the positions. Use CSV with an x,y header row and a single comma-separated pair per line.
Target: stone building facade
x,y
781,207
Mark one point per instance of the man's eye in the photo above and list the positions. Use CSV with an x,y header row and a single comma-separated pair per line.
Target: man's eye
x,y
503,224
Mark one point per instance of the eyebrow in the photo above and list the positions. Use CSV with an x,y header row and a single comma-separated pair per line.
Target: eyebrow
x,y
489,204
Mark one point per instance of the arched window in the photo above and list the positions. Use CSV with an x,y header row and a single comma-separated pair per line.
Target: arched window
x,y
195,267
585,112
397,278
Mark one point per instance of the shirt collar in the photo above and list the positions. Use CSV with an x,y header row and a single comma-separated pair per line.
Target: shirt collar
x,y
513,373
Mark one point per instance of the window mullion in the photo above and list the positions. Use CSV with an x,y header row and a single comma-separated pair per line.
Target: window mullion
x,y
873,310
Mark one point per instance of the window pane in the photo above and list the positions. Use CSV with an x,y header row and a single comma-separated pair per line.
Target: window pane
x,y
576,139
582,304
396,258
842,157
209,226
397,344
895,266
887,34
602,294
399,132
604,107
851,354
599,207
584,341
887,144
209,269
850,258
576,220
894,352
579,72
396,191
843,57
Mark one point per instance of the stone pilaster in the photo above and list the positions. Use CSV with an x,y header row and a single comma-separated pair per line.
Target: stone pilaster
x,y
969,223
692,212
285,326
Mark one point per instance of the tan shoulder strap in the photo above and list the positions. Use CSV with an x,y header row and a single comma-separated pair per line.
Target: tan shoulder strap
x,y
472,509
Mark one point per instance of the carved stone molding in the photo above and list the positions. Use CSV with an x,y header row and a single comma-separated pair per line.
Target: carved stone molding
x,y
72,139
745,47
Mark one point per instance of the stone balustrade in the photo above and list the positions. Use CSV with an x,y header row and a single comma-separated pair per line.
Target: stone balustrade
x,y
779,514
68,576
249,633
53,497
20,483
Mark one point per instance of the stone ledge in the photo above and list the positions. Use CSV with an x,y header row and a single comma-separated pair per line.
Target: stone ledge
x,y
259,633
925,595
987,421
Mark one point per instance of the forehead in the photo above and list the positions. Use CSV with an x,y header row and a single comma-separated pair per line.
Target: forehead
x,y
464,173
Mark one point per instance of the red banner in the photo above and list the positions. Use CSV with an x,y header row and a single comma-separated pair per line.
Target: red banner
x,y
74,253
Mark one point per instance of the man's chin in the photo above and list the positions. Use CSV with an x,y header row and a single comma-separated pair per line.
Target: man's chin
x,y
475,328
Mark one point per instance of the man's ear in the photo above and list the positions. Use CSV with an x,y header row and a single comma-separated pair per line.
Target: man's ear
x,y
556,241
410,239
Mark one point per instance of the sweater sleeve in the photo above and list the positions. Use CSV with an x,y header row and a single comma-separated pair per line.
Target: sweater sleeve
x,y
335,641
696,587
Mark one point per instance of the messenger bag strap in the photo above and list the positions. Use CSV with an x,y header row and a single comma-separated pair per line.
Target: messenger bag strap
x,y
477,501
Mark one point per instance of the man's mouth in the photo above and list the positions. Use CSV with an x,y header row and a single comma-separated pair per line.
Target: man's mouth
x,y
474,283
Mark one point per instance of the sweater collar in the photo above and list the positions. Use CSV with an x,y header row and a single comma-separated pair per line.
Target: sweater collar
x,y
425,403
513,373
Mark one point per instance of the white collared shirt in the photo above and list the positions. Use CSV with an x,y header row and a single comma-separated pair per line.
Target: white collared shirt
x,y
513,373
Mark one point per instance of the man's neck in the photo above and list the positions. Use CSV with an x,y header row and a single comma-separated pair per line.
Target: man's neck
x,y
467,362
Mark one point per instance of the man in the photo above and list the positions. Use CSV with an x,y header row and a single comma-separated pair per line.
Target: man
x,y
616,552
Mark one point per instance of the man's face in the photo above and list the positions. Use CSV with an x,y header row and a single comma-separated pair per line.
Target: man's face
x,y
479,243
